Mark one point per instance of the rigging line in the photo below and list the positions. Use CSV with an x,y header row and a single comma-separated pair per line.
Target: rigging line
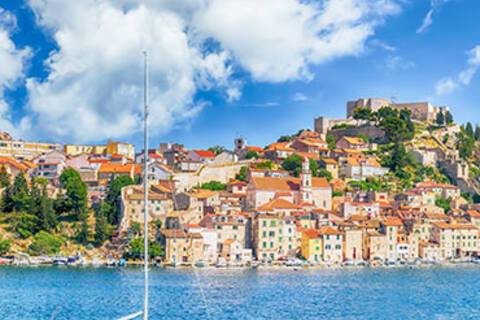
x,y
197,280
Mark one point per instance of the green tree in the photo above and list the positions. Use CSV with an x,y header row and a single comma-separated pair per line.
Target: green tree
x,y
251,154
448,117
264,165
293,164
469,130
43,207
136,249
362,114
83,234
4,178
440,120
242,174
285,139
324,173
5,246
45,243
465,145
114,190
17,196
443,203
24,224
103,230
213,185
477,133
75,198
331,141
217,149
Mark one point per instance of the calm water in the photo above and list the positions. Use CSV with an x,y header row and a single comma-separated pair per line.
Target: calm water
x,y
61,293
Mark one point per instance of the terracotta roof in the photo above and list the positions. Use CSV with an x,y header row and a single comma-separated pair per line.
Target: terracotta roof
x,y
254,148
473,213
205,153
280,146
329,231
285,184
110,167
392,222
14,163
430,184
445,225
278,204
311,233
354,140
329,161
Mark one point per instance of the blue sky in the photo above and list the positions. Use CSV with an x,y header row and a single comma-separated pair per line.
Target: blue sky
x,y
76,68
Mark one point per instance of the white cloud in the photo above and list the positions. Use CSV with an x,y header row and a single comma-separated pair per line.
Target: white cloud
x,y
398,63
94,87
299,97
428,19
463,78
12,62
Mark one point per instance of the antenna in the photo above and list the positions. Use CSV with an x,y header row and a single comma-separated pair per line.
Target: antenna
x,y
145,189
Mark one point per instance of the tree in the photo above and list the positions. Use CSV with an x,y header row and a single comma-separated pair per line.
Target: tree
x,y
251,154
265,165
448,117
443,203
293,164
362,114
284,139
45,243
136,249
5,246
217,149
43,208
214,186
331,141
17,197
103,231
440,119
477,133
324,173
313,165
24,224
75,198
4,178
242,175
114,190
465,145
469,130
83,235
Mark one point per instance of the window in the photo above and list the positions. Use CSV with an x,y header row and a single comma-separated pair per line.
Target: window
x,y
264,244
271,234
264,234
338,246
327,247
264,223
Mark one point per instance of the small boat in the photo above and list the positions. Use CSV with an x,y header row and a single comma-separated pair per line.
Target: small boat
x,y
60,261
199,264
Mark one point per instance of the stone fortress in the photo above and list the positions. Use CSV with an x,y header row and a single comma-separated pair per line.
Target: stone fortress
x,y
421,111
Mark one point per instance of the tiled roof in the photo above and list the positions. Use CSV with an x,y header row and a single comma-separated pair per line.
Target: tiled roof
x,y
110,167
278,204
205,153
285,184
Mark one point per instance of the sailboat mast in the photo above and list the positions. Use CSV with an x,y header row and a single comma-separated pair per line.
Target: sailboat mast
x,y
145,190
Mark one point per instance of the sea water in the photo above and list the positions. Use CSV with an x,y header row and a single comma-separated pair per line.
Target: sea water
x,y
102,293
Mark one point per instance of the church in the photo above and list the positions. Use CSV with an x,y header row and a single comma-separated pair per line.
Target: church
x,y
303,190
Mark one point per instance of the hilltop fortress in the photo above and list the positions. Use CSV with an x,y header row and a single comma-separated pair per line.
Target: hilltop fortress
x,y
420,111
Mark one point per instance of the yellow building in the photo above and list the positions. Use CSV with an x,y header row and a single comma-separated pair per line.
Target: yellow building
x,y
182,248
311,248
121,148
23,150
77,149
322,245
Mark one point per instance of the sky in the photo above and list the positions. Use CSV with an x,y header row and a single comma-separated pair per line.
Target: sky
x,y
72,71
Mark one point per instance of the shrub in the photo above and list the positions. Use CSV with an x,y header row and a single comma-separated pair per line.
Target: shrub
x,y
45,243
